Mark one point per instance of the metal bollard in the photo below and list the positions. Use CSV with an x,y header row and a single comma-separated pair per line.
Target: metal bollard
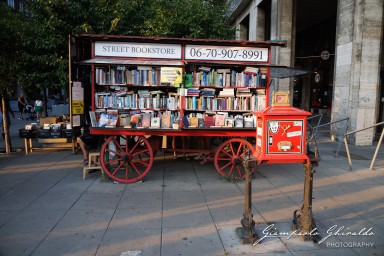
x,y
303,221
247,232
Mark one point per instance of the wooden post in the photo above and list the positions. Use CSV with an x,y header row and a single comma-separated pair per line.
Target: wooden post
x,y
8,147
377,149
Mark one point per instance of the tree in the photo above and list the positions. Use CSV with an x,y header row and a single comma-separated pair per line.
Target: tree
x,y
9,63
49,22
188,18
34,50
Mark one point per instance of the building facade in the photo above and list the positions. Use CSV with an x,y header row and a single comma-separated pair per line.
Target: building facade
x,y
17,4
339,41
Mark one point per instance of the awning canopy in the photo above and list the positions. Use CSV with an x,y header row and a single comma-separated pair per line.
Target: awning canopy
x,y
285,72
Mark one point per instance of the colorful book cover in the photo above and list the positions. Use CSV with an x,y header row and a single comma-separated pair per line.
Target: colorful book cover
x,y
171,76
185,121
219,120
166,120
155,122
248,122
146,122
193,122
209,121
239,122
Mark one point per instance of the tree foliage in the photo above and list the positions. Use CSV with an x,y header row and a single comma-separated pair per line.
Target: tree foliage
x,y
9,50
43,38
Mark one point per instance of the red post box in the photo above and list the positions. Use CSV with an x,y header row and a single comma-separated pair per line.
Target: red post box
x,y
281,135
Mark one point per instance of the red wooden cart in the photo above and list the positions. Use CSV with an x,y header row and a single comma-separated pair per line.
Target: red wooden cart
x,y
127,154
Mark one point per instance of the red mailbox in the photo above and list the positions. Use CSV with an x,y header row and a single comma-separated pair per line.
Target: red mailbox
x,y
281,135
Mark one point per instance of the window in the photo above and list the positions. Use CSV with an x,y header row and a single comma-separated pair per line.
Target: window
x,y
11,3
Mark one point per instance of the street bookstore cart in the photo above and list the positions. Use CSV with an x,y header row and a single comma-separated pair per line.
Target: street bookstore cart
x,y
149,94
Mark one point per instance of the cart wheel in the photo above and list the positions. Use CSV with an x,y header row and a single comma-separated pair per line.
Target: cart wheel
x,y
230,155
126,159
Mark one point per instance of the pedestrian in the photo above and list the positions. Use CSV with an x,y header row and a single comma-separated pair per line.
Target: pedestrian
x,y
21,103
38,108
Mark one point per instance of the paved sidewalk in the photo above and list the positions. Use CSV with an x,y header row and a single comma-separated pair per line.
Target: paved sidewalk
x,y
184,208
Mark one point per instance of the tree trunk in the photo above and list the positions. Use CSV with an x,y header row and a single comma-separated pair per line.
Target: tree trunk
x,y
45,102
8,147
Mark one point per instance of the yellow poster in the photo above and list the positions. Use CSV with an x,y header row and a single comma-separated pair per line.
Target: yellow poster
x,y
77,107
171,76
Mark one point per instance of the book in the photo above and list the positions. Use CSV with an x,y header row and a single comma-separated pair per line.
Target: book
x,y
227,92
209,121
185,121
193,122
114,115
219,120
200,122
248,122
92,116
107,120
166,120
261,102
171,76
134,120
251,70
229,122
155,122
124,119
146,121
239,122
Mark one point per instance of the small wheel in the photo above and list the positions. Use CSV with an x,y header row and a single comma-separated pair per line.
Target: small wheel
x,y
230,155
125,158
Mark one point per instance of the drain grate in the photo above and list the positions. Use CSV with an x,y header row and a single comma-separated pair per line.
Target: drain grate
x,y
353,156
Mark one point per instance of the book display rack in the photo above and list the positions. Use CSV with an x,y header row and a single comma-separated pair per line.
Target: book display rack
x,y
175,87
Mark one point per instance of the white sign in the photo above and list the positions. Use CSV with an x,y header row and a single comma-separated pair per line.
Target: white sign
x,y
293,134
77,91
137,50
225,53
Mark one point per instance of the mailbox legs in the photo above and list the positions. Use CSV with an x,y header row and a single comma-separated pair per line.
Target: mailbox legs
x,y
247,232
303,221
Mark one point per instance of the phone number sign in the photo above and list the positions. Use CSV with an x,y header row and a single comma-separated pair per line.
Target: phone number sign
x,y
225,53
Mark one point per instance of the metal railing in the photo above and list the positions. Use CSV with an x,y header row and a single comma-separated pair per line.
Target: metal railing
x,y
339,135
377,147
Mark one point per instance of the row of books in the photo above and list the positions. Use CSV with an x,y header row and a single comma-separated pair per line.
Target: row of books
x,y
223,92
122,75
253,103
167,119
141,99
228,78
219,120
133,119
153,76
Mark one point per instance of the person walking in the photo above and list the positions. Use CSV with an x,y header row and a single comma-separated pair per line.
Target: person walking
x,y
38,108
21,103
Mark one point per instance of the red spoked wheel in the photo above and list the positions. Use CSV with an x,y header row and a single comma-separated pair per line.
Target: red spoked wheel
x,y
125,158
230,155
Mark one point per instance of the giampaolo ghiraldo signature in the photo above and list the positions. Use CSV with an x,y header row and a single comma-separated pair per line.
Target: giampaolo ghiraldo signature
x,y
335,230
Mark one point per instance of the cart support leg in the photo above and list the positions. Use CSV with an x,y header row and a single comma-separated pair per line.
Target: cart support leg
x,y
303,222
247,232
